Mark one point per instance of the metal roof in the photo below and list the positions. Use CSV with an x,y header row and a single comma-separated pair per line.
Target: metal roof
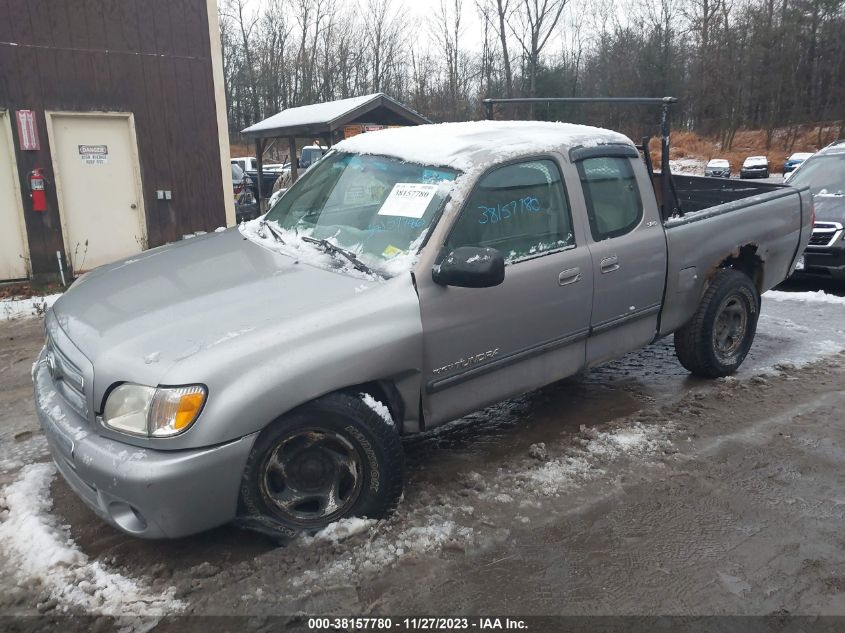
x,y
321,118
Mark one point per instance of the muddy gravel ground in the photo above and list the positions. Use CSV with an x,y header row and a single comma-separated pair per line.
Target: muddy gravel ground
x,y
633,489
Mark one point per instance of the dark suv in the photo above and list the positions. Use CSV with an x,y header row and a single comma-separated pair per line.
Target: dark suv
x,y
824,172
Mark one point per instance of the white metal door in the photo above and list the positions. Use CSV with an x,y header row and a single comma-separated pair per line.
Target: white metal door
x,y
99,187
14,254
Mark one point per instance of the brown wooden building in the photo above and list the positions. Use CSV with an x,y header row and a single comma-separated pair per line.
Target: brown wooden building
x,y
119,104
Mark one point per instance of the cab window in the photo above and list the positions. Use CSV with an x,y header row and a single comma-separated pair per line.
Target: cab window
x,y
521,210
614,204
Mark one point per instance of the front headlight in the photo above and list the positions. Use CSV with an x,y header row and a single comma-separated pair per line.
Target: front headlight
x,y
153,412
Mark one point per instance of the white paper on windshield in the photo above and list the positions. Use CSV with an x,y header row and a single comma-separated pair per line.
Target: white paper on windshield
x,y
408,199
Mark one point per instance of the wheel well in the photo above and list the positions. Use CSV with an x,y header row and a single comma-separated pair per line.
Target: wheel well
x,y
384,391
746,260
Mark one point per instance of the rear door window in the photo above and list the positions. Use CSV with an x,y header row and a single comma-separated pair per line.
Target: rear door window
x,y
521,210
614,204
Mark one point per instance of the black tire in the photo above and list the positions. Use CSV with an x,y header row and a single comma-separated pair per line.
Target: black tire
x,y
717,338
335,441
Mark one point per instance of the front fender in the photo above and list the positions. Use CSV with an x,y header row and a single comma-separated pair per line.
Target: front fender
x,y
257,377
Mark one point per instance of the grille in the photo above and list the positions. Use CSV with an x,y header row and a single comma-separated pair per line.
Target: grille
x,y
67,378
825,234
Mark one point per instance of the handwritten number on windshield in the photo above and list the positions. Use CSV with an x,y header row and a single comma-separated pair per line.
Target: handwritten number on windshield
x,y
505,212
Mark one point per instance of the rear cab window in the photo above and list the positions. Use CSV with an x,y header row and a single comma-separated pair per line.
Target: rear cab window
x,y
614,204
521,210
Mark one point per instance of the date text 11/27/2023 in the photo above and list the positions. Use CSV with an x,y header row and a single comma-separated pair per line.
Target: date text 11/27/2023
x,y
417,624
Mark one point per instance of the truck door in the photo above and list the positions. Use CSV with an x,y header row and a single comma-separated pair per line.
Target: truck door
x,y
628,249
482,345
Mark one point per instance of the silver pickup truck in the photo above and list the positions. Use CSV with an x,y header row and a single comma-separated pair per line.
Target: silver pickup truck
x,y
267,373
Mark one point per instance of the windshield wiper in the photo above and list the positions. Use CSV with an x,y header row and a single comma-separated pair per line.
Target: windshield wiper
x,y
276,235
337,250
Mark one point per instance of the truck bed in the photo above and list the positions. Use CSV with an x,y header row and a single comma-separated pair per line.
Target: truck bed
x,y
767,222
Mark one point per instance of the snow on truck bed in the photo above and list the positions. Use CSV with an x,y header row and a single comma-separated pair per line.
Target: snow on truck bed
x,y
463,146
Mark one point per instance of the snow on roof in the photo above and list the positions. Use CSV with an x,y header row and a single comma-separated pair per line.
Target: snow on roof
x,y
466,145
718,162
756,160
325,113
801,156
311,114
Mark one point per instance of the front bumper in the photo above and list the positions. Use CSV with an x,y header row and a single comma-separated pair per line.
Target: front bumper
x,y
824,262
754,173
143,492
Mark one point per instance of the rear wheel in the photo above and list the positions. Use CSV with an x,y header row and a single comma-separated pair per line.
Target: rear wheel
x,y
329,459
716,340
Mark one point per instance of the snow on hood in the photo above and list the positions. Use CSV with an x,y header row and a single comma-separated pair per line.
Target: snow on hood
x,y
718,162
294,247
464,146
755,160
142,316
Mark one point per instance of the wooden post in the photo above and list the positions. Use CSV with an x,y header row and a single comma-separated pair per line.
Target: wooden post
x,y
259,160
293,167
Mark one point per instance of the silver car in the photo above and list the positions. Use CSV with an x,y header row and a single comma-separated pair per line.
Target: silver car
x,y
267,373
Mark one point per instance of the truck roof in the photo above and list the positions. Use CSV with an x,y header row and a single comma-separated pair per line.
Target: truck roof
x,y
464,146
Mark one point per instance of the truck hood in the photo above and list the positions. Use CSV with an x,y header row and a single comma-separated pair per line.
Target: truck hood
x,y
138,318
830,208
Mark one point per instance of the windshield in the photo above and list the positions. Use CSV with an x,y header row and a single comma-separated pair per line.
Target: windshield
x,y
824,174
377,208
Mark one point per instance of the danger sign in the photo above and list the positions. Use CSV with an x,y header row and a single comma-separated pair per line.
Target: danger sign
x,y
94,154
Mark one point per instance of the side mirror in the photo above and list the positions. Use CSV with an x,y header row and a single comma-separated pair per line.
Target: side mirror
x,y
470,267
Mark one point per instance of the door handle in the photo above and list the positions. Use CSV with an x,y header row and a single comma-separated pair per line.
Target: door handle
x,y
609,264
569,276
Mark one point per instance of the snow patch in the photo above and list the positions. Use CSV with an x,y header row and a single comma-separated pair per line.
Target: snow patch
x,y
378,407
19,308
43,555
810,296
690,166
304,252
385,548
151,358
578,467
340,530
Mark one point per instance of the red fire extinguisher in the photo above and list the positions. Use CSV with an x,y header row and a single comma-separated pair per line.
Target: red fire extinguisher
x,y
36,188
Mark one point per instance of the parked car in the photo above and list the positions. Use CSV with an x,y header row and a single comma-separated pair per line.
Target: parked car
x,y
795,160
270,173
755,167
310,154
266,373
824,173
718,168
246,207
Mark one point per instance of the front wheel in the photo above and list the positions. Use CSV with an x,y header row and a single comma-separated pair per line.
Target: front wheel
x,y
332,458
717,338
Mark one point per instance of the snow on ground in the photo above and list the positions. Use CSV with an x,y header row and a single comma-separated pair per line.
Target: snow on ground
x,y
33,306
690,166
427,527
46,558
340,530
810,296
